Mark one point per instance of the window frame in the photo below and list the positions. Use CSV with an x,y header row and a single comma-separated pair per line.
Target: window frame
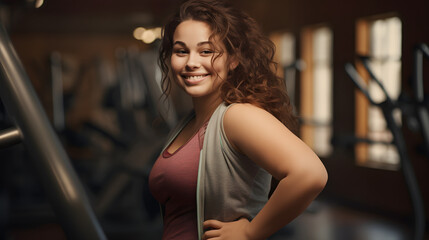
x,y
307,94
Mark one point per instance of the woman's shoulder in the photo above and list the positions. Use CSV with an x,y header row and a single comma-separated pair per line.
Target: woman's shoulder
x,y
243,120
243,108
245,112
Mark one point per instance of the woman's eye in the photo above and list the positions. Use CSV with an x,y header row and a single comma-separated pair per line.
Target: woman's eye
x,y
180,51
207,52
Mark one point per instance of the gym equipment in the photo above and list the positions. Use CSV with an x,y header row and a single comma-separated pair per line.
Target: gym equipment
x,y
388,106
420,102
289,75
115,177
50,161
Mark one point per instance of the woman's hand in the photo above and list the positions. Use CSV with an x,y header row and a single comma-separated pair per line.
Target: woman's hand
x,y
226,230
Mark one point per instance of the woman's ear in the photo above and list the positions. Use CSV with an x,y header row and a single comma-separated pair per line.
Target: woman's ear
x,y
233,63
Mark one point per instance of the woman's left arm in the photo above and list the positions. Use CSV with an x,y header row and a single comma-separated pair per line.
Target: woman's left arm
x,y
302,176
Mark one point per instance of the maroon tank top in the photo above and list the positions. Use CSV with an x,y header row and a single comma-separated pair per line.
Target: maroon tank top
x,y
173,182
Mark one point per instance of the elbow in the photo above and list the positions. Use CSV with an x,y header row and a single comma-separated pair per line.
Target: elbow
x,y
309,176
322,180
313,178
317,179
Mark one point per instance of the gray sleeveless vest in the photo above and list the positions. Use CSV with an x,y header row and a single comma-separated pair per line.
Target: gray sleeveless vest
x,y
230,186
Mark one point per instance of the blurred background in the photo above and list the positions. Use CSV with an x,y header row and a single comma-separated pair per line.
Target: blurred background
x,y
93,67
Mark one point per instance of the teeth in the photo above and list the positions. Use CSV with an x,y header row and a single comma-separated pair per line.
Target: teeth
x,y
194,77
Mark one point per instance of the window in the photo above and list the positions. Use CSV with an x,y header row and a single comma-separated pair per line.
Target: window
x,y
316,89
380,39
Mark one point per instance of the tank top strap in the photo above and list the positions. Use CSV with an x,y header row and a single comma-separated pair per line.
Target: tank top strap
x,y
202,133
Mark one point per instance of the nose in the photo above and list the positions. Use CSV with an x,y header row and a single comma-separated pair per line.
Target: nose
x,y
193,61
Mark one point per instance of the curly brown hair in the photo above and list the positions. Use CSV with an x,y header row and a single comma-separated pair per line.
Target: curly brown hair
x,y
254,80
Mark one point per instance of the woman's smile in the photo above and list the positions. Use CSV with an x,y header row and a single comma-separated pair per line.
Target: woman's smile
x,y
193,79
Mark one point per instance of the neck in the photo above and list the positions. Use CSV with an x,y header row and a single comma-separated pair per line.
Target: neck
x,y
204,108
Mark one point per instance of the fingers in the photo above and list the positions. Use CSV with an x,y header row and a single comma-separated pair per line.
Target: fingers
x,y
212,224
212,229
211,234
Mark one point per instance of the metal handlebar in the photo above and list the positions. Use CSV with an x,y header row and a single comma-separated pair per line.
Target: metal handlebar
x,y
358,81
365,63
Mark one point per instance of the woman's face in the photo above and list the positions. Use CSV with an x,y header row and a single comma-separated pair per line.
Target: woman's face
x,y
191,60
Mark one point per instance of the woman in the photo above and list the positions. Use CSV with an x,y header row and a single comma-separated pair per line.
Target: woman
x,y
213,177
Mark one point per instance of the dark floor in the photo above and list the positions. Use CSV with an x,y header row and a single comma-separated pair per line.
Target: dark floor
x,y
327,221
322,221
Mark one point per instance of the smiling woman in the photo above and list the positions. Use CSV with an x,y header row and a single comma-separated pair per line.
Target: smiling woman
x,y
197,65
213,177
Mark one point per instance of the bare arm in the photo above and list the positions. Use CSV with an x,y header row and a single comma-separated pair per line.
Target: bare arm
x,y
266,141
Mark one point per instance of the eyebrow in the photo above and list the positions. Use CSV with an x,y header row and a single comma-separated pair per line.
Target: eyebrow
x,y
199,44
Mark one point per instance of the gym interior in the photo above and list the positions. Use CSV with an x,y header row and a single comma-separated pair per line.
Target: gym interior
x,y
81,122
